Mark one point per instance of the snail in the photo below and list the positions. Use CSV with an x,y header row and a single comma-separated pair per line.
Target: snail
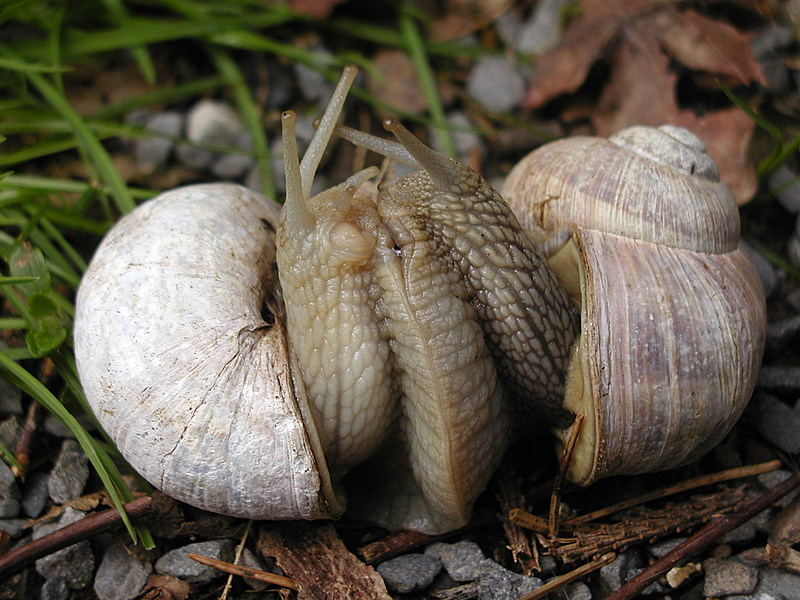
x,y
645,237
244,357
375,351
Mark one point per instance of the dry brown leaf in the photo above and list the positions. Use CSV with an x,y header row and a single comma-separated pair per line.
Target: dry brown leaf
x,y
396,82
704,44
462,17
641,88
640,68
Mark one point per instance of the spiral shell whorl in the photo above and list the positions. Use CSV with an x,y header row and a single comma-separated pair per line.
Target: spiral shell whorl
x,y
656,185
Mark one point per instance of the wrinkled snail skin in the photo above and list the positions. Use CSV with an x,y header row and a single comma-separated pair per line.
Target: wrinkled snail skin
x,y
645,238
380,349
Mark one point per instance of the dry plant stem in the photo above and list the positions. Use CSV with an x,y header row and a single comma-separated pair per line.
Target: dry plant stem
x,y
393,544
233,569
237,557
523,552
707,535
563,464
77,531
21,450
558,582
689,484
468,591
522,518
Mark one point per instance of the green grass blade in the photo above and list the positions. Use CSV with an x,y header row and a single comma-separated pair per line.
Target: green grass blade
x,y
7,280
88,141
36,390
417,51
26,67
63,185
750,112
119,14
251,114
8,456
13,323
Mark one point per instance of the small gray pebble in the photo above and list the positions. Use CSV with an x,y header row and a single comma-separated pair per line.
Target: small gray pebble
x,y
497,583
728,576
10,496
496,84
121,575
766,272
410,572
663,548
193,157
214,122
10,399
785,184
74,563
151,153
280,85
577,591
463,136
250,560
55,426
35,494
231,166
69,474
783,332
461,560
9,432
793,298
176,563
776,73
652,589
613,575
743,533
13,527
778,583
770,39
312,83
793,250
54,588
777,422
773,478
542,31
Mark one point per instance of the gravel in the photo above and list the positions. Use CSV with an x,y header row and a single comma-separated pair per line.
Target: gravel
x,y
176,563
75,563
728,576
35,494
312,83
10,399
10,496
462,560
54,588
778,422
663,548
542,31
773,478
498,583
782,332
766,272
121,575
69,474
152,153
410,572
496,84
613,575
9,432
785,184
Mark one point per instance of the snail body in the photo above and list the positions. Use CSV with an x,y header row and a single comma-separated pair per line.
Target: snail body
x,y
265,362
382,352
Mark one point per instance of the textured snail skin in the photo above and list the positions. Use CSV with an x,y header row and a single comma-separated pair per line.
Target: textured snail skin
x,y
672,312
396,345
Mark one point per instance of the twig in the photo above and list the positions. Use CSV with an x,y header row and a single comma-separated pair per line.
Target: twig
x,y
236,558
558,582
525,519
392,545
523,552
592,540
77,531
258,574
704,537
683,486
21,450
563,465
